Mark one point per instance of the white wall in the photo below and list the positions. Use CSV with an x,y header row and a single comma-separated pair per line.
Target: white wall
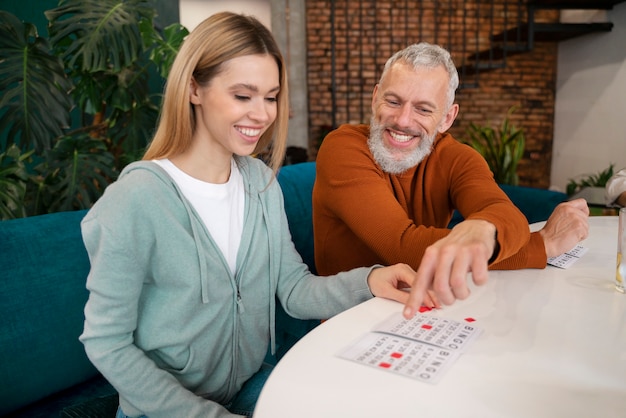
x,y
590,111
193,12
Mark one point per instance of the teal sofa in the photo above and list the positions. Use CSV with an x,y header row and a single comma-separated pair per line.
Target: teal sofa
x,y
44,371
536,204
43,366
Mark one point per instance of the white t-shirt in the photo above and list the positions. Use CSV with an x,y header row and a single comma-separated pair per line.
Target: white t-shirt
x,y
220,206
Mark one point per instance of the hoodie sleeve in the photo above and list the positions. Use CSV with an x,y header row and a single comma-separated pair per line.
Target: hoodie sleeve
x,y
303,294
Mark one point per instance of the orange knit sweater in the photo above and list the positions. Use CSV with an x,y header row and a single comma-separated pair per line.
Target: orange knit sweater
x,y
363,216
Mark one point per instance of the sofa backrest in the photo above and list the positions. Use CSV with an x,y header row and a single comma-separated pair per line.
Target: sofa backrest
x,y
43,269
297,181
536,204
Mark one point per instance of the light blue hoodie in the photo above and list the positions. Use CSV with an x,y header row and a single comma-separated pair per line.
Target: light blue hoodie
x,y
166,322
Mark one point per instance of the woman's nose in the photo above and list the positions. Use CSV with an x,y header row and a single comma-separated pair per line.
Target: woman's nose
x,y
261,111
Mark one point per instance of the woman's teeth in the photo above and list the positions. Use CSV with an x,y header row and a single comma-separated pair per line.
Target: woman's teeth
x,y
249,131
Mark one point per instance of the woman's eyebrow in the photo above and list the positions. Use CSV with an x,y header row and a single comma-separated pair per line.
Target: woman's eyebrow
x,y
252,87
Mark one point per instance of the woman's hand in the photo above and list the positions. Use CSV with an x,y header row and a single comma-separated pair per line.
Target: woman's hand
x,y
392,283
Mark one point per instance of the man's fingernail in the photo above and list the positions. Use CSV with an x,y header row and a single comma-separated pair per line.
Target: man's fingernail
x,y
408,312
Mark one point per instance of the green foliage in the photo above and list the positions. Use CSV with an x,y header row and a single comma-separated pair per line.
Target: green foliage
x,y
590,180
35,102
13,180
77,105
502,148
98,35
72,174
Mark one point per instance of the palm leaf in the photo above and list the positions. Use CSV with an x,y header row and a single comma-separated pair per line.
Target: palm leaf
x,y
33,86
98,35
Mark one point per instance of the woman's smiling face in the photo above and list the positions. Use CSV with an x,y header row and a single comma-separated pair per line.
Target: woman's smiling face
x,y
238,105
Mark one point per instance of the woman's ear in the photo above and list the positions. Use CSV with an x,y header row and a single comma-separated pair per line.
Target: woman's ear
x,y
194,97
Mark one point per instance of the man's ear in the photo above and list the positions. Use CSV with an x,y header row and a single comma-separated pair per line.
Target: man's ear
x,y
449,118
374,98
194,97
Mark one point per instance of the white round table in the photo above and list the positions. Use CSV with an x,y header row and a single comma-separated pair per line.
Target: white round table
x,y
553,345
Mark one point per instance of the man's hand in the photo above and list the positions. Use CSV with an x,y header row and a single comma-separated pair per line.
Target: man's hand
x,y
445,264
391,282
566,227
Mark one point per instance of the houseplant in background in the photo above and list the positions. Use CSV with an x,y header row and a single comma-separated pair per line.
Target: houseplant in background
x,y
76,106
501,147
589,180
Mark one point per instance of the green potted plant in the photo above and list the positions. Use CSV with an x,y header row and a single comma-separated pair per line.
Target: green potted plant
x,y
501,147
589,180
592,188
77,104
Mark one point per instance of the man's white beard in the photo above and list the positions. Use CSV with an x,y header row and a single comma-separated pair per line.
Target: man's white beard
x,y
396,162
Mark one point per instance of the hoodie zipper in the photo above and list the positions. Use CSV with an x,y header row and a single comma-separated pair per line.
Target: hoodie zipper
x,y
240,308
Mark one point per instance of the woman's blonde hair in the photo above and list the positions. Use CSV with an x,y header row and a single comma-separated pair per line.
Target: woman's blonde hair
x,y
219,38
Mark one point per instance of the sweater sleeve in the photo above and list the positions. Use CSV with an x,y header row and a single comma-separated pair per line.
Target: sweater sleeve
x,y
364,216
531,255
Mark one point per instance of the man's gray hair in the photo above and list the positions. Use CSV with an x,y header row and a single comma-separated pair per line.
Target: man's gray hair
x,y
427,55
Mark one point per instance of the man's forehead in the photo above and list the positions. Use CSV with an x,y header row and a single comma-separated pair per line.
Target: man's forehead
x,y
404,79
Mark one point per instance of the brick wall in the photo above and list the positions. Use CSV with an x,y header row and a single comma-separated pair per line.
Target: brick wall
x,y
367,32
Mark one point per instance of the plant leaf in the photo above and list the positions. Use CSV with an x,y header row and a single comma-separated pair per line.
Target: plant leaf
x,y
98,35
75,173
502,148
13,182
33,87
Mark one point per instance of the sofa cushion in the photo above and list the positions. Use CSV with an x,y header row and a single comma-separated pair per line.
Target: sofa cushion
x,y
100,407
95,398
42,298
